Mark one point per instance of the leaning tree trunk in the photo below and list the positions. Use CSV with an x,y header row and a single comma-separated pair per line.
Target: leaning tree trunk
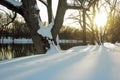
x,y
62,6
32,18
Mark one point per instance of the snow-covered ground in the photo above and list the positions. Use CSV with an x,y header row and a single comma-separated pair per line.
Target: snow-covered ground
x,y
78,63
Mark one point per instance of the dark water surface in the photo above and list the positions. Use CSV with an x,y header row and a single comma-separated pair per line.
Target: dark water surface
x,y
9,51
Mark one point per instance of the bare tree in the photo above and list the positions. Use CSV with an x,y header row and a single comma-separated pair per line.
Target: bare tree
x,y
110,7
83,15
30,11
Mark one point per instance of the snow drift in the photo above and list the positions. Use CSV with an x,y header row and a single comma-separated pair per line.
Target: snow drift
x,y
78,63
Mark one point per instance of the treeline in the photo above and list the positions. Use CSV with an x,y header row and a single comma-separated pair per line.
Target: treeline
x,y
113,32
15,30
71,33
20,30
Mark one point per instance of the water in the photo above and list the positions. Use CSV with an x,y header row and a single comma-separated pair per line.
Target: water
x,y
9,51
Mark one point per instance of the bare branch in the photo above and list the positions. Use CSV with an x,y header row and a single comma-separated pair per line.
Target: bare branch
x,y
91,2
74,7
45,3
4,25
11,6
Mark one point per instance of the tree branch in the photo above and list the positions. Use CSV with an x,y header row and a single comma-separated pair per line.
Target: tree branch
x,y
74,7
80,6
4,25
11,6
45,3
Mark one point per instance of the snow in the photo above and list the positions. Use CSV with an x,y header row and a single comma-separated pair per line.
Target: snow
x,y
78,63
15,3
53,48
45,31
85,5
36,7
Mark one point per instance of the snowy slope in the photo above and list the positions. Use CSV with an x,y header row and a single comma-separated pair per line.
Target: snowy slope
x,y
78,63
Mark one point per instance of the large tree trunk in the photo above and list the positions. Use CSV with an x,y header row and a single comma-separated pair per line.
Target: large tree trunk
x,y
31,16
62,6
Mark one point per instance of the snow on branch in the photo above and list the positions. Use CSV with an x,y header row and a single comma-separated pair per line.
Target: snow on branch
x,y
46,31
15,3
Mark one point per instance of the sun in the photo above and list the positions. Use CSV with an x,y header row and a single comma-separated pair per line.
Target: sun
x,y
100,19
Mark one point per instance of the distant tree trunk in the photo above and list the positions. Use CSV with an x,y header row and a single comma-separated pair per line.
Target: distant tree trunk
x,y
93,26
84,27
93,37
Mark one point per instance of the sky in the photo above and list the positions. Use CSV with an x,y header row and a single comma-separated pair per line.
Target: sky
x,y
43,13
67,22
70,22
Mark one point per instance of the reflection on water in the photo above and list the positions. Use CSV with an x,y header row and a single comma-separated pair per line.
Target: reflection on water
x,y
9,51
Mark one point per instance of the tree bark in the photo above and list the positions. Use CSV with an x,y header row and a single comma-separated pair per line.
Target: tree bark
x,y
84,27
62,6
92,26
32,18
49,10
